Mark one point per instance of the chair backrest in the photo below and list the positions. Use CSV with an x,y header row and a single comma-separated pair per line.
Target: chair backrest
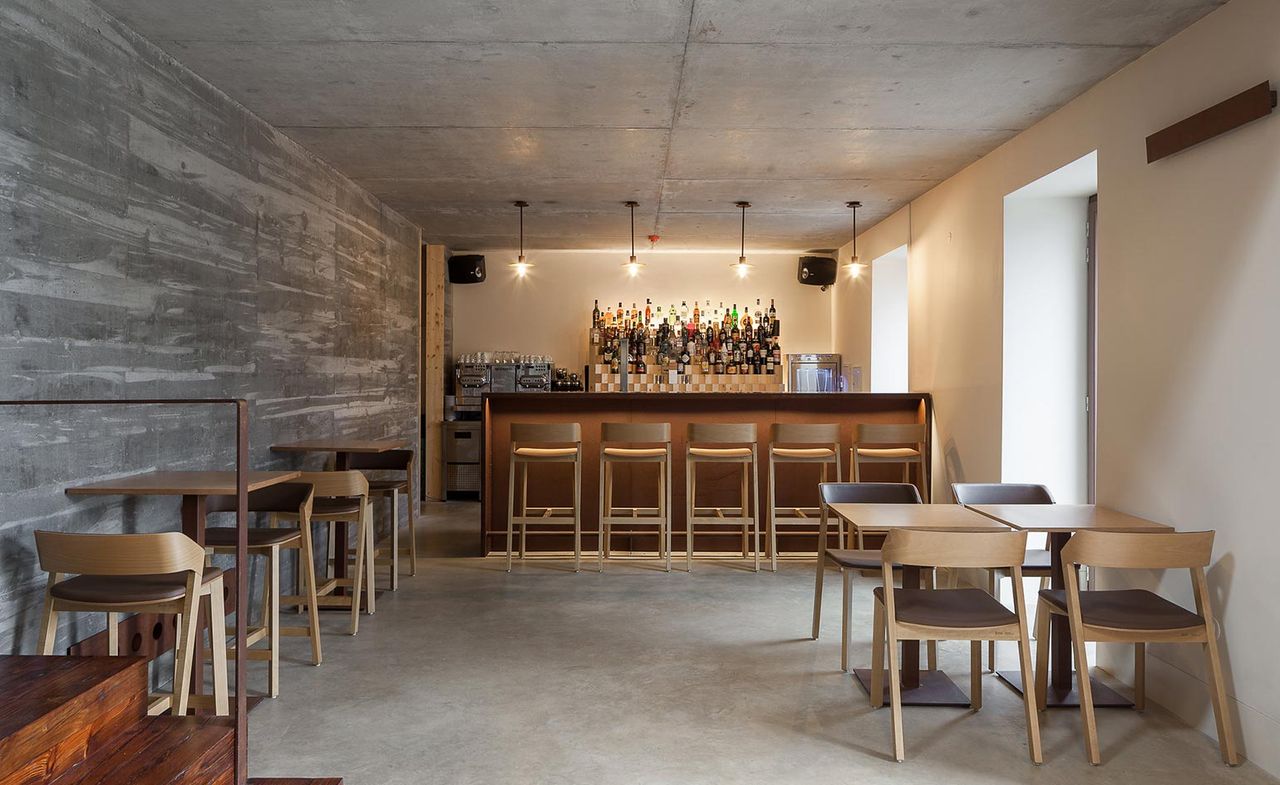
x,y
288,497
970,493
955,549
1139,551
636,432
804,433
721,433
118,554
868,493
391,460
336,485
546,433
889,433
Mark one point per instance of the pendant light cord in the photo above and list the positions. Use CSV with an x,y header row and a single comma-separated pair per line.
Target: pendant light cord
x,y
521,230
633,230
742,250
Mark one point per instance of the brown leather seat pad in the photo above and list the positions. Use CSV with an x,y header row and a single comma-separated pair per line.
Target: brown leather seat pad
x,y
335,507
225,537
961,608
1132,609
387,486
126,588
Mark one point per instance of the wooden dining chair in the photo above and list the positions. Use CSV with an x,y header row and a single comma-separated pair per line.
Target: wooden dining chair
x,y
1135,616
949,614
113,574
291,499
399,465
722,443
543,443
812,443
1037,563
900,443
342,497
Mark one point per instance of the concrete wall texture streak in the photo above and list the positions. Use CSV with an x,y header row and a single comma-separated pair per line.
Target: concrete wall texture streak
x,y
158,240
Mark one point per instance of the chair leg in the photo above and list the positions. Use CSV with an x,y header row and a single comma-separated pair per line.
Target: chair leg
x,y
1042,655
1030,700
182,658
1140,676
357,575
817,591
218,644
993,585
307,567
876,694
1218,695
49,622
370,565
511,509
772,523
895,691
1085,690
272,619
113,634
395,540
846,610
975,675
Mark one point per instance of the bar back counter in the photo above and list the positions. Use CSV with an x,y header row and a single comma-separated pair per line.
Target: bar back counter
x,y
551,485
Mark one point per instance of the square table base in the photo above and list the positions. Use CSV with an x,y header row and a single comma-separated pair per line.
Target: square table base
x,y
936,689
1103,696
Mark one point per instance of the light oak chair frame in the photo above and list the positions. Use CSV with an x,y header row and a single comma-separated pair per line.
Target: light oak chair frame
x,y
543,443
347,484
713,443
613,436
1140,551
388,555
870,446
816,443
956,550
123,555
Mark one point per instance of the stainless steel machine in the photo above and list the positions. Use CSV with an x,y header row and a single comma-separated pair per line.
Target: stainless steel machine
x,y
461,457
499,372
814,373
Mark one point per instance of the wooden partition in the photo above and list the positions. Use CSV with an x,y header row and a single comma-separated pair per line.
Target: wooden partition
x,y
551,485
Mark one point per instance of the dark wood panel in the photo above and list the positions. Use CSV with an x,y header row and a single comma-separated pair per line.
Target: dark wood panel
x,y
1252,104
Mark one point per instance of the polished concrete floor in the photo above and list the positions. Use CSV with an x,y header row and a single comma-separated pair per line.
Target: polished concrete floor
x,y
468,674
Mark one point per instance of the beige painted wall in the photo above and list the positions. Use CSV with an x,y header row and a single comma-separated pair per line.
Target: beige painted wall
x,y
1189,273
549,312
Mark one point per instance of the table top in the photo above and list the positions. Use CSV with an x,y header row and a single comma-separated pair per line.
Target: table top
x,y
342,445
1067,518
926,517
163,483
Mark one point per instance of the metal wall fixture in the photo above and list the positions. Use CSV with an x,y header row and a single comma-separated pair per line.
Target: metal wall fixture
x,y
632,266
854,265
742,267
520,265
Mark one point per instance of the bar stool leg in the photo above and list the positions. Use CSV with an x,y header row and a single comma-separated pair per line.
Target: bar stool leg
x,y
511,508
217,622
577,512
773,517
370,565
608,509
113,634
395,540
272,620
690,504
601,545
307,567
524,508
755,510
411,501
670,518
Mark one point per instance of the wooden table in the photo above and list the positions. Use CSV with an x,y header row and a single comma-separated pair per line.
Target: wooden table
x,y
919,688
1060,521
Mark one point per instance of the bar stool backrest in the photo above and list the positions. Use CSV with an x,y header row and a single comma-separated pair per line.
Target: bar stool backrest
x,y
546,433
161,553
337,485
391,460
889,433
869,493
1139,551
970,493
282,497
636,432
985,550
804,433
721,433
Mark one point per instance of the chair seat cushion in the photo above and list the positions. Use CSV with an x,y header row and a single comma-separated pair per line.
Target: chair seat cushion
x,y
388,486
958,608
546,452
336,506
259,537
110,589
804,452
721,452
855,560
888,452
1126,609
635,452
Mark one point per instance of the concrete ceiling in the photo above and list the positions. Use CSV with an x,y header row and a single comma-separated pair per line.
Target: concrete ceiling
x,y
450,109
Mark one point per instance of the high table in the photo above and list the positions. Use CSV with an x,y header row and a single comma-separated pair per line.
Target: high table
x,y
919,688
1060,521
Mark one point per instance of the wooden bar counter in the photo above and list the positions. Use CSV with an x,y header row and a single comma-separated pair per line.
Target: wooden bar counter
x,y
551,485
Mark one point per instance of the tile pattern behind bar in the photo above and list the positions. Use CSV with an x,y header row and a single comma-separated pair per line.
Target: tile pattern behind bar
x,y
158,240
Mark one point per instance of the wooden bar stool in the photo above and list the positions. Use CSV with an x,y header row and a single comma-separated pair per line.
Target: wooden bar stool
x,y
799,443
903,443
293,499
543,443
137,573
341,498
401,462
1134,616
710,443
613,435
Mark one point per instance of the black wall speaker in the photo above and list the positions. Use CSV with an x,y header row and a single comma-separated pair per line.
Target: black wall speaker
x,y
816,270
468,268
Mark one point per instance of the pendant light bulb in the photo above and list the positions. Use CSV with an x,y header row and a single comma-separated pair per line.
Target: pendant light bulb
x,y
631,265
521,265
742,266
854,265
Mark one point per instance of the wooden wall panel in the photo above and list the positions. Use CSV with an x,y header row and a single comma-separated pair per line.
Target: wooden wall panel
x,y
434,367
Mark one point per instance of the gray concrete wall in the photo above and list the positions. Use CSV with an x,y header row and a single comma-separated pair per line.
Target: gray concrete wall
x,y
158,240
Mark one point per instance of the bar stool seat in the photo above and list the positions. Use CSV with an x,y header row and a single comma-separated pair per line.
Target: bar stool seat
x,y
803,452
386,551
123,589
891,453
546,452
804,443
636,452
720,452
544,443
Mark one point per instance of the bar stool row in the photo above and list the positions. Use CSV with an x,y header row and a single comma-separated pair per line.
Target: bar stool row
x,y
706,443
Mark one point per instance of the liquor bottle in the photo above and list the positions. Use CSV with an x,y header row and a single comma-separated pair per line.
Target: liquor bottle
x,y
759,314
773,312
641,368
617,318
720,362
648,312
682,366
595,315
733,319
697,315
770,366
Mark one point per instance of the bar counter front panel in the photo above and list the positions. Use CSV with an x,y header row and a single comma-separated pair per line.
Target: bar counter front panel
x,y
636,485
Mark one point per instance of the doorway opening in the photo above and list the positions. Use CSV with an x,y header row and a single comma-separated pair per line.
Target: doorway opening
x,y
889,322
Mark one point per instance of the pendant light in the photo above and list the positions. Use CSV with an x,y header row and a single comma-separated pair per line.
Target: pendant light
x,y
632,266
520,265
854,266
741,267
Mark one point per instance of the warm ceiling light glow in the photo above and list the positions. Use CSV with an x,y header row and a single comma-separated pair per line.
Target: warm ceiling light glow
x,y
631,265
520,265
741,267
854,265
